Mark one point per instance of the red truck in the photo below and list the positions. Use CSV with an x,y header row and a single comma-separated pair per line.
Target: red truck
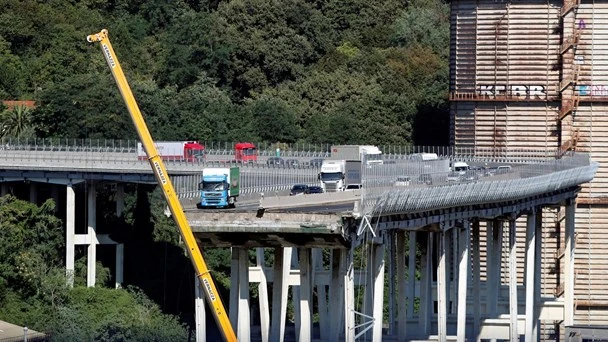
x,y
245,152
190,151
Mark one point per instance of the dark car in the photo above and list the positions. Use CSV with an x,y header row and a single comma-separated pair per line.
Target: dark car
x,y
315,189
299,189
275,161
316,162
470,176
425,178
453,176
292,163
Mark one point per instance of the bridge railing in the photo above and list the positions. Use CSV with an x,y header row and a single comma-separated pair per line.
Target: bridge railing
x,y
411,185
488,165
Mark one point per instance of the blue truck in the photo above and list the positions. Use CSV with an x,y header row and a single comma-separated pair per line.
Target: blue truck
x,y
219,187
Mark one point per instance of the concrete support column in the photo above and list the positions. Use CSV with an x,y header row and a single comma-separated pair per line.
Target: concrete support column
x,y
402,282
336,293
569,264
452,282
3,189
120,248
442,309
317,262
295,292
513,333
368,294
282,262
120,262
463,278
426,293
233,312
305,330
349,299
239,294
199,311
263,296
538,227
490,307
530,275
411,274
378,295
91,238
70,224
476,275
33,193
243,326
392,279
494,267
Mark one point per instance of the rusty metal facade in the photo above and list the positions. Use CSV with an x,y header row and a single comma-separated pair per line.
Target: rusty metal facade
x,y
534,74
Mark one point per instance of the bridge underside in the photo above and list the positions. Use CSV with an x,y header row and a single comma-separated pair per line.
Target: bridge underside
x,y
276,229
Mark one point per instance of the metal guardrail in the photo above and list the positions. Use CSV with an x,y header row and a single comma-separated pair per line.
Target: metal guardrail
x,y
528,175
255,178
530,172
295,150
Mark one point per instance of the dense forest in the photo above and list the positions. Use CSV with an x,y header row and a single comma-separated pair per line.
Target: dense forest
x,y
314,71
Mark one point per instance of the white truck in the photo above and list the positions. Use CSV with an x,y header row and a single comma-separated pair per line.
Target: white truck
x,y
371,154
190,151
340,175
332,175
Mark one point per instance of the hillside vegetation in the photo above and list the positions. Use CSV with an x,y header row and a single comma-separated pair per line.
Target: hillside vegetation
x,y
317,71
314,71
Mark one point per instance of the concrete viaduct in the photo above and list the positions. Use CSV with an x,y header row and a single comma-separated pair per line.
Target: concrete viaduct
x,y
450,274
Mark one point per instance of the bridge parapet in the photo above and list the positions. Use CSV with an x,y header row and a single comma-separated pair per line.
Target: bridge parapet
x,y
430,185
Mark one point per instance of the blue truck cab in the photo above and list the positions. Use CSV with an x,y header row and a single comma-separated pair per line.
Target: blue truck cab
x,y
219,187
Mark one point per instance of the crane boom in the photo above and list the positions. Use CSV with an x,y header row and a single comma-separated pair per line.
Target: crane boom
x,y
162,177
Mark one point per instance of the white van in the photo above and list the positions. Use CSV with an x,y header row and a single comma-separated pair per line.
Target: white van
x,y
423,156
503,169
460,167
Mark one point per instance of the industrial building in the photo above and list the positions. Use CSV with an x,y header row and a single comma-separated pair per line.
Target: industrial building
x,y
533,75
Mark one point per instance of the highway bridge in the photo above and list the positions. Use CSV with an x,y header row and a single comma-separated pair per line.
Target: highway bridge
x,y
465,291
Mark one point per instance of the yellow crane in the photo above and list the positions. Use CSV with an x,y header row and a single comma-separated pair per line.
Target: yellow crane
x,y
160,172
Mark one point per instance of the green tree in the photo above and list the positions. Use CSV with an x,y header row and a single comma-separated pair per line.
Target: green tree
x,y
83,106
363,23
345,106
16,123
32,278
12,75
208,114
273,119
424,23
101,314
268,42
32,239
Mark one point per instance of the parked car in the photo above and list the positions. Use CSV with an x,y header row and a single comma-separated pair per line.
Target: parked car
x,y
498,170
275,161
453,176
315,189
317,162
503,169
353,187
470,176
402,181
299,189
425,178
292,163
